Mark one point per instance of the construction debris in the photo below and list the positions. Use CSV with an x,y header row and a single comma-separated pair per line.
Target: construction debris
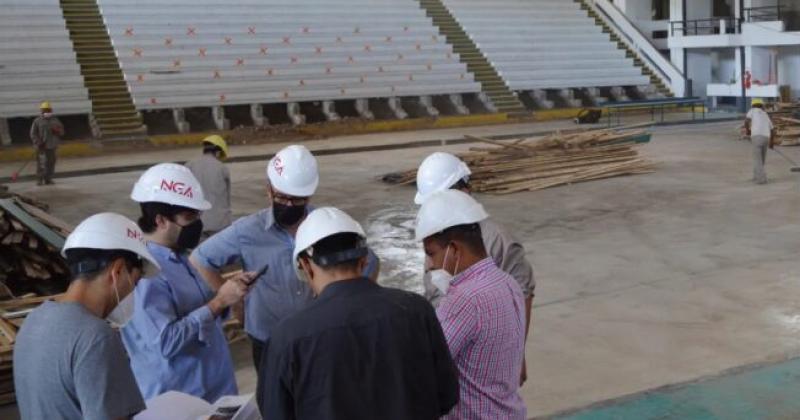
x,y
530,164
786,119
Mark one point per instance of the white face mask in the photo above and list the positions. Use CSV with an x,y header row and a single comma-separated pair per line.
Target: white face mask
x,y
440,277
123,313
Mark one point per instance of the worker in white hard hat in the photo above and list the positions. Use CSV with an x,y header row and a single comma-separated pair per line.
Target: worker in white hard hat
x,y
442,171
215,179
483,310
266,239
359,351
762,133
175,339
46,133
68,361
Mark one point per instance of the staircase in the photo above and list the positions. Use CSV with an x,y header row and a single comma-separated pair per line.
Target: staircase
x,y
114,113
491,83
656,81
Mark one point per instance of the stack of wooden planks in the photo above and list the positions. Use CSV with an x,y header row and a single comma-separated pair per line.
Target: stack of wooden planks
x,y
530,164
31,271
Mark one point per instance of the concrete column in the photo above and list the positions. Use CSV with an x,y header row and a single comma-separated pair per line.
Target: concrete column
x,y
618,92
297,117
257,115
179,116
362,107
539,96
5,134
220,121
458,104
397,108
568,96
484,98
427,104
94,126
329,110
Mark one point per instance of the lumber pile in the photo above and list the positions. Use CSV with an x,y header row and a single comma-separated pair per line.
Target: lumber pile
x,y
530,164
786,119
31,271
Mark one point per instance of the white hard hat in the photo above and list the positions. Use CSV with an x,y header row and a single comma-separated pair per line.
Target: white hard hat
x,y
320,224
439,172
445,209
293,171
111,231
170,183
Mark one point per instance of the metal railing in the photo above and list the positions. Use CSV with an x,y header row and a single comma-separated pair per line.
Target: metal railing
x,y
711,26
765,13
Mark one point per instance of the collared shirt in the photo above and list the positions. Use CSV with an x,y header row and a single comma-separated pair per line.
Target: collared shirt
x,y
483,318
256,241
760,124
42,132
359,351
215,180
506,251
174,341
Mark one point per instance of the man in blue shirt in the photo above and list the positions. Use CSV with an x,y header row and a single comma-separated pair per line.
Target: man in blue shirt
x,y
266,238
175,338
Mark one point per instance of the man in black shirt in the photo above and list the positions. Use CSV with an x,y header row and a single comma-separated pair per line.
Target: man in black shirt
x,y
359,350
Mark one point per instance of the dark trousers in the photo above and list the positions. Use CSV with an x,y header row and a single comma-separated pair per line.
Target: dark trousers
x,y
45,164
258,351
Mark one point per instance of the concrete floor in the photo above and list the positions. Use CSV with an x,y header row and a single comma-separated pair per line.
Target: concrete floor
x,y
642,281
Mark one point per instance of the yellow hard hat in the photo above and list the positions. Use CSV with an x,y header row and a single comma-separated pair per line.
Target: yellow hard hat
x,y
757,101
218,141
45,105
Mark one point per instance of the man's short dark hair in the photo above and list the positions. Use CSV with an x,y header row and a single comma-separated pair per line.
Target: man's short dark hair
x,y
758,106
462,184
339,251
88,263
469,235
147,221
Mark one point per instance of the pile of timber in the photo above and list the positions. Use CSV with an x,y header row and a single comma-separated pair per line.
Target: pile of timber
x,y
31,271
786,119
530,164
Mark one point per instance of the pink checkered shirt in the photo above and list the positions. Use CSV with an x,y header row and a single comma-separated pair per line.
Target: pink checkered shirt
x,y
483,318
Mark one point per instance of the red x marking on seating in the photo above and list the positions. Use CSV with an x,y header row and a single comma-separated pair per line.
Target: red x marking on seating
x,y
357,30
294,60
270,72
339,39
286,95
400,56
137,52
380,69
229,40
176,63
239,62
351,59
318,49
410,77
153,101
222,98
191,31
430,67
264,50
362,79
168,41
343,91
251,30
306,29
419,47
405,28
140,78
287,40
388,39
202,52
217,74
129,31
328,70
462,76
302,82
367,48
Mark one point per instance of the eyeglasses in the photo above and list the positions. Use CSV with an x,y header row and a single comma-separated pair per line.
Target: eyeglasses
x,y
285,200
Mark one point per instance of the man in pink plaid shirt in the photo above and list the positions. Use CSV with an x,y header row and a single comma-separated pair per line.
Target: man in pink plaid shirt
x,y
483,310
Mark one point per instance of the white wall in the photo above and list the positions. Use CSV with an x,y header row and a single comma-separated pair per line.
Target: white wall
x,y
788,65
699,70
724,66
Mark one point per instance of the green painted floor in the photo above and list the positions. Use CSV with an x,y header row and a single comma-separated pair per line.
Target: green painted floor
x,y
765,392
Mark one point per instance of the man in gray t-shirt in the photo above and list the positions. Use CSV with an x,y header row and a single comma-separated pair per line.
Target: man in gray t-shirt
x,y
68,362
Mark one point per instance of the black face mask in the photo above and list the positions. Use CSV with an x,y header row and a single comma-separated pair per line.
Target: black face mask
x,y
288,215
190,235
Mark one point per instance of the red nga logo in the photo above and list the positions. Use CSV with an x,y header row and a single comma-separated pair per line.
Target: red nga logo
x,y
177,188
278,166
135,234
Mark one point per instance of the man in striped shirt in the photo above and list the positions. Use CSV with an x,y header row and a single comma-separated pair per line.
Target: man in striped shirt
x,y
483,311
